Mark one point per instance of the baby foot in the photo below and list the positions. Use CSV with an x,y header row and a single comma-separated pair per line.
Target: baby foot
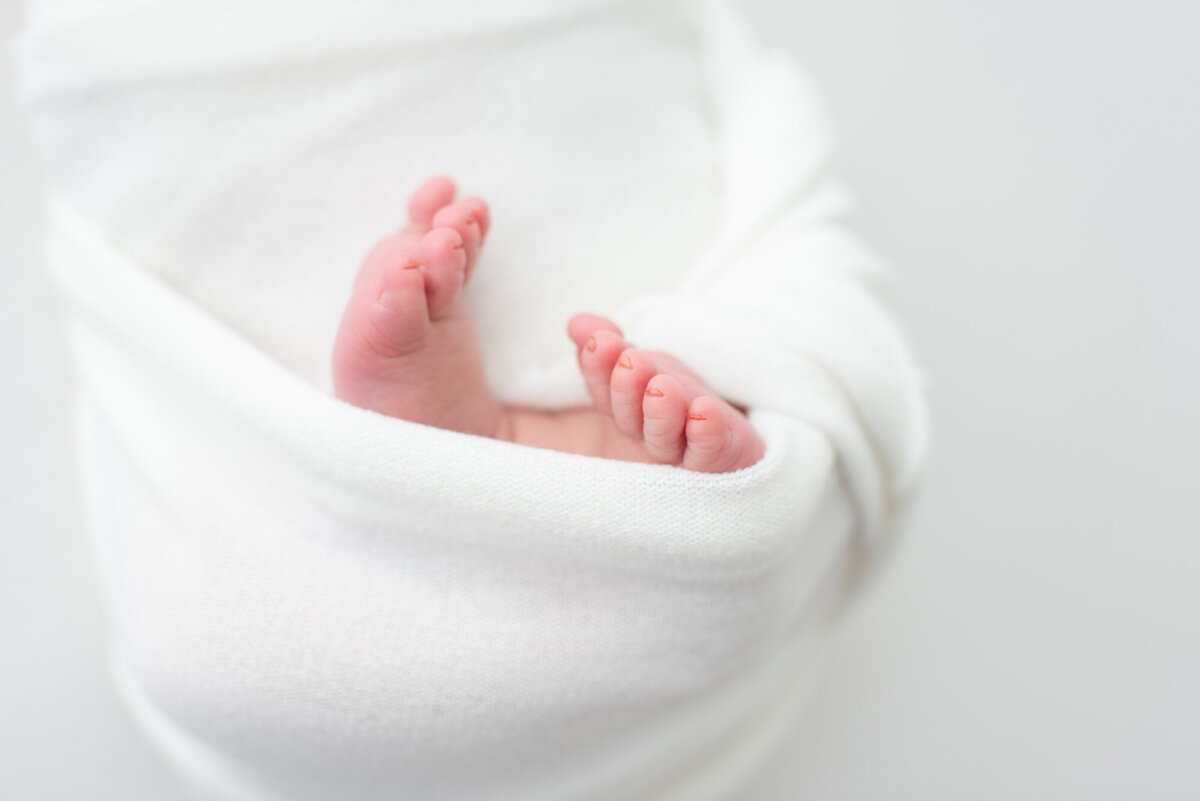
x,y
654,398
406,346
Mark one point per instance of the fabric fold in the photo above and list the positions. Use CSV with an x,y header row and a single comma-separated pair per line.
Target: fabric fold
x,y
786,313
313,601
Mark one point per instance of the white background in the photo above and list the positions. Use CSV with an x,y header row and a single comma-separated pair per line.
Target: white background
x,y
1031,167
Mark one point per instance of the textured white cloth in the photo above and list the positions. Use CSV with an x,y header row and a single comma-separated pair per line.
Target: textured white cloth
x,y
312,601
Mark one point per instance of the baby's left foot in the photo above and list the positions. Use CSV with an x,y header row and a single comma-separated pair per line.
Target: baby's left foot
x,y
654,398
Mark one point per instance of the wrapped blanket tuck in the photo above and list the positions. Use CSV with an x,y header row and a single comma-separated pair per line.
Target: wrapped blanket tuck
x,y
313,601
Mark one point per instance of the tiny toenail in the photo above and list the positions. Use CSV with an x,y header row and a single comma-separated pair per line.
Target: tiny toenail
x,y
391,300
625,362
697,417
591,344
470,219
413,265
651,392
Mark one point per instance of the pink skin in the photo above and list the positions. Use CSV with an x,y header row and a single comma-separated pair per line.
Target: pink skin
x,y
407,348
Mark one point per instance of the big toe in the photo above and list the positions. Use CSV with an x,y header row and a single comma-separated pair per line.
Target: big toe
x,y
387,316
719,439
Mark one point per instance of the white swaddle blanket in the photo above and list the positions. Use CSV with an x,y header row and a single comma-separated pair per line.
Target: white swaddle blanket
x,y
313,601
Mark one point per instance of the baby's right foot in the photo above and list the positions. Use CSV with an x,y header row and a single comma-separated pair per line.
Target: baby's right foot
x,y
655,400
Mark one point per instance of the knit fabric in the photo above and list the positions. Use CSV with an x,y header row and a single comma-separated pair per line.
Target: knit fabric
x,y
313,601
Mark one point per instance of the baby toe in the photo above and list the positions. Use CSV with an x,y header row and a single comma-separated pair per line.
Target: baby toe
x,y
385,318
461,218
630,376
664,415
480,211
597,359
399,317
444,261
708,437
581,327
387,308
429,198
719,438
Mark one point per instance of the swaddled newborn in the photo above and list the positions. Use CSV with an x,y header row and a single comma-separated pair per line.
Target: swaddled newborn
x,y
311,601
407,348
